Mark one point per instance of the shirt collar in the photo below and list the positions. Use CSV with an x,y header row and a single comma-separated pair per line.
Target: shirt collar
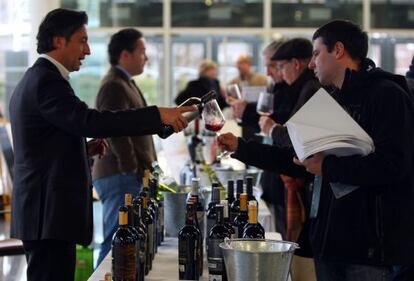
x,y
124,71
63,71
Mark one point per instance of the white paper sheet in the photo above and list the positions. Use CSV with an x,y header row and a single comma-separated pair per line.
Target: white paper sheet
x,y
322,125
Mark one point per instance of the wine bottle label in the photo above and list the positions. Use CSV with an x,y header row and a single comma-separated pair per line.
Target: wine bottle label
x,y
151,238
187,260
123,262
215,256
215,277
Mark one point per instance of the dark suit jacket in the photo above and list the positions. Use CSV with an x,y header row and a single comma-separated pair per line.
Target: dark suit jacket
x,y
200,87
52,196
125,154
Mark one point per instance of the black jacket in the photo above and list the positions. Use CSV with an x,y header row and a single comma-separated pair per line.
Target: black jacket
x,y
52,192
200,87
298,94
375,223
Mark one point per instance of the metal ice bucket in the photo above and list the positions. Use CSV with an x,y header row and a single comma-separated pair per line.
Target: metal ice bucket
x,y
257,260
174,212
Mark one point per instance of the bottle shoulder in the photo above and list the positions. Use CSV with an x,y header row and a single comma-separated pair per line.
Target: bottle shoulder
x,y
123,236
254,231
219,231
188,231
241,217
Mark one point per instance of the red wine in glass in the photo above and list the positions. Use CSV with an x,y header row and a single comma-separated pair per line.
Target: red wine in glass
x,y
215,127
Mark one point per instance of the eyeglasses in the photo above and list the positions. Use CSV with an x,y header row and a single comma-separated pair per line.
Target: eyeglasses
x,y
281,65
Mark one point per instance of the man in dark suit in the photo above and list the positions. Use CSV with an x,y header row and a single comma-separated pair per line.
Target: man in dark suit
x,y
52,196
120,170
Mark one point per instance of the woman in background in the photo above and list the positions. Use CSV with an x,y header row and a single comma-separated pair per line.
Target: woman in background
x,y
206,82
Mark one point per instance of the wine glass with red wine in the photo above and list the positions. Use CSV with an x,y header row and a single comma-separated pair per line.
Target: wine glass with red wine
x,y
214,120
212,116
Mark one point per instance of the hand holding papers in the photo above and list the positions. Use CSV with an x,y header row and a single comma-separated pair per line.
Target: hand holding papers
x,y
322,125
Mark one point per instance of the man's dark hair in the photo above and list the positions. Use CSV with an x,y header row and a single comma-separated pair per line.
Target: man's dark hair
x,y
296,48
125,39
351,35
59,22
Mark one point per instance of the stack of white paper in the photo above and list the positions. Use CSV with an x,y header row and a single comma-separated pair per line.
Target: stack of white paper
x,y
322,125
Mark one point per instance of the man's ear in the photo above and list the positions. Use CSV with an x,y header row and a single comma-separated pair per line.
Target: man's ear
x,y
58,42
339,50
296,63
124,54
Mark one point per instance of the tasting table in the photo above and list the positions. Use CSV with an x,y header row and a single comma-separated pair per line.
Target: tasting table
x,y
165,264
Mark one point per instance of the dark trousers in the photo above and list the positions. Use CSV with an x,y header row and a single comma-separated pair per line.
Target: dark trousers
x,y
50,260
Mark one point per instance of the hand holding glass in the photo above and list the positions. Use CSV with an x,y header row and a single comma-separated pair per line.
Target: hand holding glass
x,y
233,91
265,104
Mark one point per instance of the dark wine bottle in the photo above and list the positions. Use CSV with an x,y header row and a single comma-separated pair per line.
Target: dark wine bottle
x,y
230,192
235,206
188,241
242,219
211,211
199,210
168,130
253,230
134,231
153,207
156,173
219,231
200,251
226,218
123,250
249,189
142,238
147,219
198,205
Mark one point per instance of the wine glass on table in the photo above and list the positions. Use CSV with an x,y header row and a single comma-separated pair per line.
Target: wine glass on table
x,y
214,121
265,106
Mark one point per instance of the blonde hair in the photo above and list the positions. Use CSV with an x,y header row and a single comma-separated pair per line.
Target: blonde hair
x,y
206,65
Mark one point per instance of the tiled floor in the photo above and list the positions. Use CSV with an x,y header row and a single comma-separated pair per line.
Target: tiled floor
x,y
13,268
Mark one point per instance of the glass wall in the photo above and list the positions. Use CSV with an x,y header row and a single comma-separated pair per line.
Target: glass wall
x,y
392,14
213,13
197,29
313,13
107,13
187,52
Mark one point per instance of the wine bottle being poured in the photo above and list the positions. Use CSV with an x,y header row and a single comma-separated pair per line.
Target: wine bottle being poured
x,y
168,130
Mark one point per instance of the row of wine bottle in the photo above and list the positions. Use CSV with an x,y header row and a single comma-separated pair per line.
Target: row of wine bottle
x,y
220,225
140,232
